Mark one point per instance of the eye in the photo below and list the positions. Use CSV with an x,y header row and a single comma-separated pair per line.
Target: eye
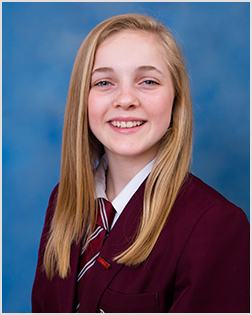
x,y
150,82
102,83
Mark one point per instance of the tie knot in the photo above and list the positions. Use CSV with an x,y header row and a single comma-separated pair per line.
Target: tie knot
x,y
106,214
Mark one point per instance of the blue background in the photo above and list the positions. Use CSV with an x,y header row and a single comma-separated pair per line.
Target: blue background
x,y
40,41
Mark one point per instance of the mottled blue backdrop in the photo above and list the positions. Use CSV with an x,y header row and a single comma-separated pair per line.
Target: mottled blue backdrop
x,y
40,41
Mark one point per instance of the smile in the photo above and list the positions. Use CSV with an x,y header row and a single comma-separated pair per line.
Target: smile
x,y
128,124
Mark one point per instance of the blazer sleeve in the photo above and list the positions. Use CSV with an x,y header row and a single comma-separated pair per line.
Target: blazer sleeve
x,y
40,277
213,269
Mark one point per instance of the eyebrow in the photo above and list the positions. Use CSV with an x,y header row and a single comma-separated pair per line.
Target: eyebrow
x,y
139,69
103,69
148,68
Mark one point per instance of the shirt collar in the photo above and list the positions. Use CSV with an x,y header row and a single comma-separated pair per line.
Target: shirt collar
x,y
100,178
128,191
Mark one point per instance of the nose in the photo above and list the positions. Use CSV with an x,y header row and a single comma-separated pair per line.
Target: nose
x,y
126,97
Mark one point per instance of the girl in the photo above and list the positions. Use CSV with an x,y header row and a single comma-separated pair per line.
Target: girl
x,y
175,244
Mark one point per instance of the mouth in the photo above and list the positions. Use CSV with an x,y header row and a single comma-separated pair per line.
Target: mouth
x,y
126,124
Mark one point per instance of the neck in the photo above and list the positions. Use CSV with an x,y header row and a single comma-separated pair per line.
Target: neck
x,y
121,170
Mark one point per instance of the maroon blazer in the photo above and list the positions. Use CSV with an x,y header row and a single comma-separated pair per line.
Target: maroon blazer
x,y
200,262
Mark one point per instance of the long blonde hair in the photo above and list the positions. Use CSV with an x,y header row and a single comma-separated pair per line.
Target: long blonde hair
x,y
81,153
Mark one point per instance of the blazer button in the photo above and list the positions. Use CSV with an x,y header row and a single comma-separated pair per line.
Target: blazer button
x,y
101,311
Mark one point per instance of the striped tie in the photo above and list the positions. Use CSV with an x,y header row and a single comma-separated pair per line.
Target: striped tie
x,y
91,249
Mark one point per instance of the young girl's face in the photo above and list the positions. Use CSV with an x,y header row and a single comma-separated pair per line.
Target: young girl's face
x,y
131,96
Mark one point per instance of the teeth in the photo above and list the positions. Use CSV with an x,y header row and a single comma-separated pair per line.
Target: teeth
x,y
124,124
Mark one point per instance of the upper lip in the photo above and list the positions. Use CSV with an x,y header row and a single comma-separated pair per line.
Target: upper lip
x,y
126,119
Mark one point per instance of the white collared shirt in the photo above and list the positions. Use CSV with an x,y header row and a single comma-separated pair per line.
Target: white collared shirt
x,y
128,191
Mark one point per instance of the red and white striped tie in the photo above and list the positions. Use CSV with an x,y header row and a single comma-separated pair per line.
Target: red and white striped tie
x,y
91,249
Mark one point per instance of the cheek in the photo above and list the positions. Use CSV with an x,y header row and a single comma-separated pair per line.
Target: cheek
x,y
163,110
93,109
92,113
96,104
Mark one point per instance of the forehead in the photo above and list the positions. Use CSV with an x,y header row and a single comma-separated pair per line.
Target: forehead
x,y
130,44
132,33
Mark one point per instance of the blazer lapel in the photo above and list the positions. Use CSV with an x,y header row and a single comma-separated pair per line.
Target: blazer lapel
x,y
120,237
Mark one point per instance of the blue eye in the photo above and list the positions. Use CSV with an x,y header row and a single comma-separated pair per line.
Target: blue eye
x,y
150,82
103,83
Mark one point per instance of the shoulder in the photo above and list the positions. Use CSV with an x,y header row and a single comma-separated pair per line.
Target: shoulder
x,y
54,195
200,197
195,188
51,205
48,218
197,201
